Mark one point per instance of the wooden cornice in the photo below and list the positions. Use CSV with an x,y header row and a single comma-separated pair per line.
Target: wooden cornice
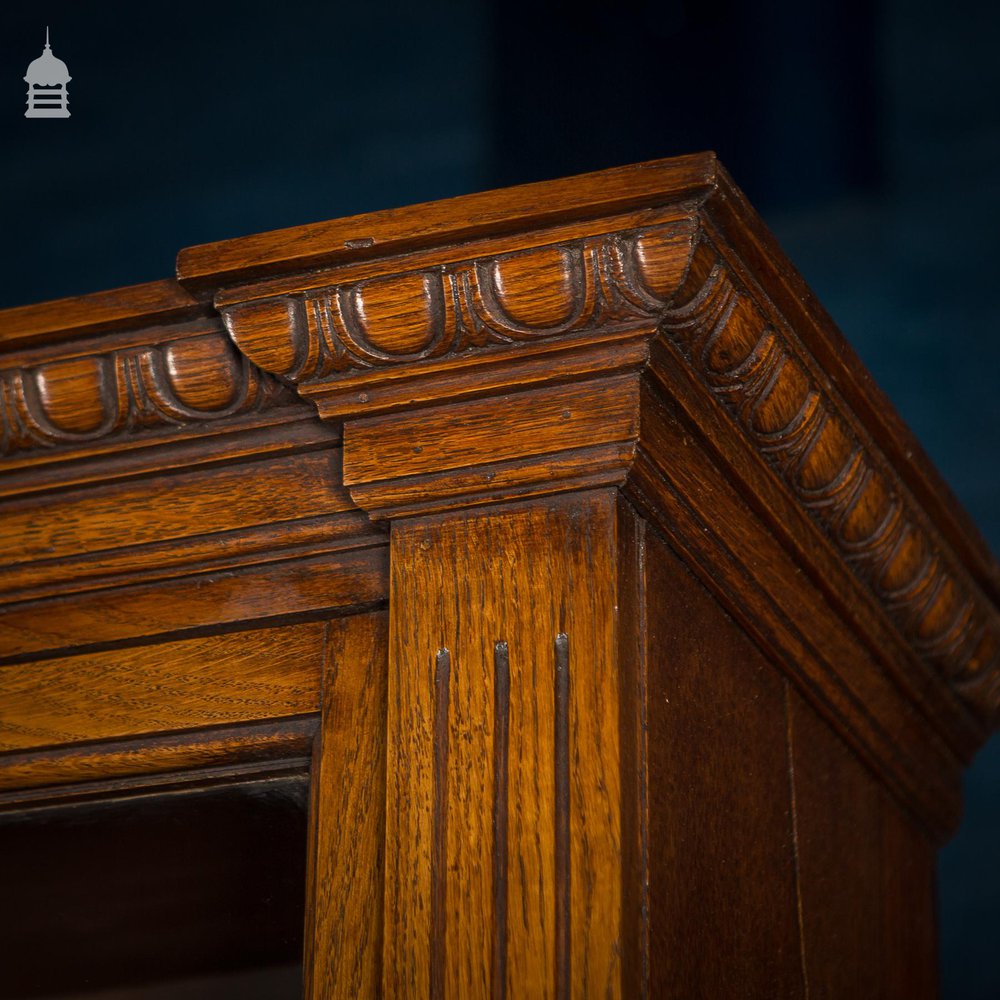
x,y
637,327
90,386
49,323
441,224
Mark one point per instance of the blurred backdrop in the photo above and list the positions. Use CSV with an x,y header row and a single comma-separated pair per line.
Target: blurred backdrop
x,y
867,134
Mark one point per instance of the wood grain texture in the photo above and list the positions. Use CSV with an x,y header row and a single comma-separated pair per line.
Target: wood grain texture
x,y
174,558
380,234
540,578
514,295
423,306
343,957
723,904
866,875
214,680
733,224
139,758
634,656
62,319
80,400
496,482
517,426
728,332
790,615
272,590
838,851
472,375
766,380
501,813
698,746
172,506
174,449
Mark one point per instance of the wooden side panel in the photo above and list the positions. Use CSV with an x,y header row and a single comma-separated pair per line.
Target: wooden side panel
x,y
866,874
909,919
837,834
210,681
343,938
723,919
503,868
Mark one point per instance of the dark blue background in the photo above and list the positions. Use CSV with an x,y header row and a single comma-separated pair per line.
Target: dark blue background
x,y
867,134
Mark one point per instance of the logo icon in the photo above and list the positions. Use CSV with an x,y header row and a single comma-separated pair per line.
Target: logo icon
x,y
46,79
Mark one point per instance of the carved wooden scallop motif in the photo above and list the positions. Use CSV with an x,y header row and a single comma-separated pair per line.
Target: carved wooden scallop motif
x,y
411,316
81,400
273,332
642,266
204,374
74,397
400,317
547,290
769,393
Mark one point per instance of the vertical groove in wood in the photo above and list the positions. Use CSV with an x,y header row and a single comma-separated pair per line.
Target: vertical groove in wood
x,y
501,723
525,572
562,817
439,844
345,888
309,941
793,809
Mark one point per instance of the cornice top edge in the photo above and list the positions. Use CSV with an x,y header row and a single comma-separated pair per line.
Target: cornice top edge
x,y
131,307
385,233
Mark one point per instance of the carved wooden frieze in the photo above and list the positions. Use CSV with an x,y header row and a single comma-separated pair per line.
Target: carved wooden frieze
x,y
596,282
506,345
763,380
80,400
651,276
429,330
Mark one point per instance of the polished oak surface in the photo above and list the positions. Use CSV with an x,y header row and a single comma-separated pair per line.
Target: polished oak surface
x,y
626,640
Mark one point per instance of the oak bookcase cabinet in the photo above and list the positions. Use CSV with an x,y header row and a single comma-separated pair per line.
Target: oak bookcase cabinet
x,y
523,595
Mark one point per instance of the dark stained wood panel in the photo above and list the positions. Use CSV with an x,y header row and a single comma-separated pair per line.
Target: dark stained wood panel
x,y
837,844
909,960
866,874
723,906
